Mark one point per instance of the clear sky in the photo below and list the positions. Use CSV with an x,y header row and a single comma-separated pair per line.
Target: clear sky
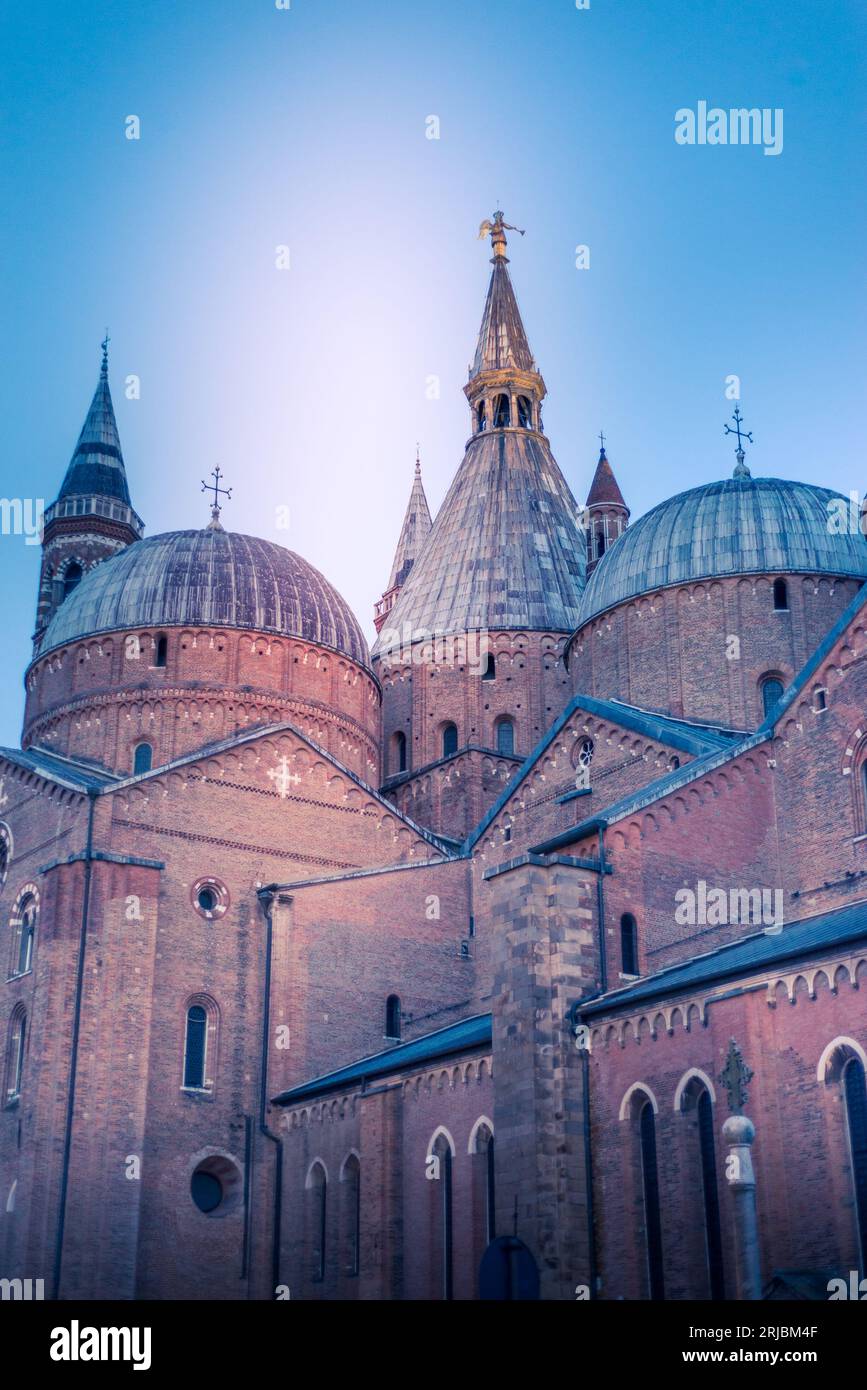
x,y
307,127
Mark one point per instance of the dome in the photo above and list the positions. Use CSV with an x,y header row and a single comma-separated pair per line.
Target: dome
x,y
208,578
736,526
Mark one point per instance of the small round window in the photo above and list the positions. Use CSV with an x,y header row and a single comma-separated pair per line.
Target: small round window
x,y
210,898
216,1186
585,752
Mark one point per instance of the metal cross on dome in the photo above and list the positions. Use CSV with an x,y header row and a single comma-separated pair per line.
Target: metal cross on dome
x,y
215,488
282,777
741,434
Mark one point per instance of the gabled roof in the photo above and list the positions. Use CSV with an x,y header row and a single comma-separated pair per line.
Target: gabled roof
x,y
748,956
502,341
413,534
697,739
65,772
469,1033
812,666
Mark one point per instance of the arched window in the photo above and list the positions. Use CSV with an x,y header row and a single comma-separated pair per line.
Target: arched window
x,y
525,413
5,852
710,1193
15,1055
317,1206
142,759
600,544
399,752
505,736
351,1201
71,579
781,596
195,1048
650,1184
484,1197
864,794
502,415
161,651
490,671
450,740
392,1016
772,692
856,1115
481,418
628,944
24,924
442,1245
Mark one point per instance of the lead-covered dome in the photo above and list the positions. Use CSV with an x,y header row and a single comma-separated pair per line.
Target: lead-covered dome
x,y
208,578
736,526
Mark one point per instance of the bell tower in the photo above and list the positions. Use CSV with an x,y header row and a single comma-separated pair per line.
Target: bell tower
x,y
92,517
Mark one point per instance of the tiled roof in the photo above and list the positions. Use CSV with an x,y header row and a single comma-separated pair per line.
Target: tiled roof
x,y
445,1042
65,771
750,955
505,550
740,525
213,578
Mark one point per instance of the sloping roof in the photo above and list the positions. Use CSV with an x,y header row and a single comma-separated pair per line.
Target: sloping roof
x,y
212,578
413,533
748,956
66,772
604,489
505,550
502,341
458,1037
97,465
740,525
698,739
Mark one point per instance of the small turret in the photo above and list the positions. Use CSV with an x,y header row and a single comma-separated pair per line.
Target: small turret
x,y
413,534
607,513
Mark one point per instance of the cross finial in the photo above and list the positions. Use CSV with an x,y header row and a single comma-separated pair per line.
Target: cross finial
x,y
217,490
417,459
601,445
741,470
104,345
735,1077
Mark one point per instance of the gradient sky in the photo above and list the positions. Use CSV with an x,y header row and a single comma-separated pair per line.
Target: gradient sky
x,y
306,127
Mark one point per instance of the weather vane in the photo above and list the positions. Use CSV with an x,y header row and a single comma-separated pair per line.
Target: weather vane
x,y
104,345
217,490
741,470
496,230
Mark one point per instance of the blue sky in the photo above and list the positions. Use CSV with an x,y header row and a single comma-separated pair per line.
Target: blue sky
x,y
306,128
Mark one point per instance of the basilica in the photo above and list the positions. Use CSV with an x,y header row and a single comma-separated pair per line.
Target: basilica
x,y
338,972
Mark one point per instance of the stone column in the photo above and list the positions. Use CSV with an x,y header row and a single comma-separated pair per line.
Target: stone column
x,y
739,1133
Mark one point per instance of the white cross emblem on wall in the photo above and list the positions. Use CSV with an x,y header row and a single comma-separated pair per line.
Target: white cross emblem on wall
x,y
282,777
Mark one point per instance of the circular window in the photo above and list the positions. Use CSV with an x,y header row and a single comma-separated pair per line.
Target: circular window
x,y
210,898
216,1186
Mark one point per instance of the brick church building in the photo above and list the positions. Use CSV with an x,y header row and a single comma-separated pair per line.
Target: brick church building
x,y
530,941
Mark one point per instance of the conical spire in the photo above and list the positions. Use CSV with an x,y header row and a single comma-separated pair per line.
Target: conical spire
x,y
506,549
502,344
96,467
604,490
416,525
413,534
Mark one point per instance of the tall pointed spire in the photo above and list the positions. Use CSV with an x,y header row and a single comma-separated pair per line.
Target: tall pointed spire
x,y
97,466
607,512
506,549
92,517
416,525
